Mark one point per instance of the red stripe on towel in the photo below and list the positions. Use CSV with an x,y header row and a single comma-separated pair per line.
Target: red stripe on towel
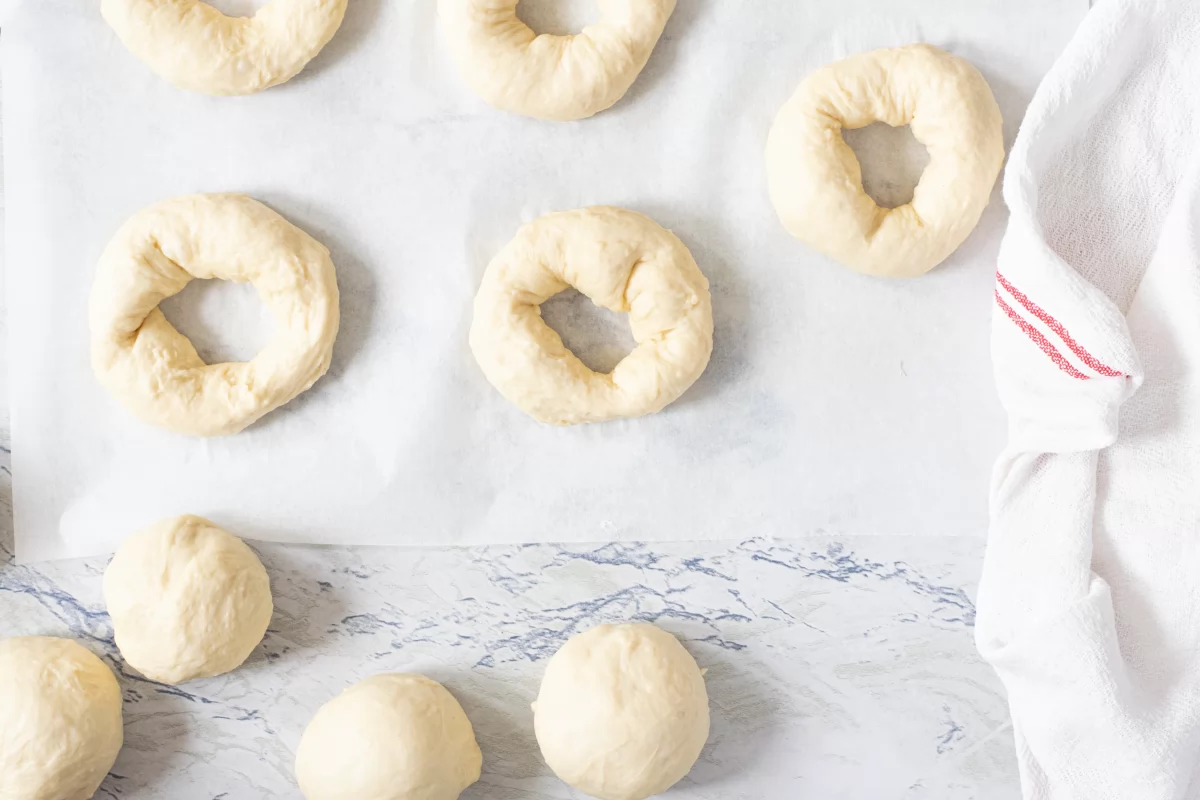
x,y
1041,341
1054,325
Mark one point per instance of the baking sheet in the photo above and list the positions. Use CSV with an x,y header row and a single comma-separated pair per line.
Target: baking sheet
x,y
833,403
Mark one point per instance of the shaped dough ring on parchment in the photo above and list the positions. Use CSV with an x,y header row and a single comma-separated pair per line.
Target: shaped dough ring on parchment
x,y
152,369
195,46
622,261
815,180
557,78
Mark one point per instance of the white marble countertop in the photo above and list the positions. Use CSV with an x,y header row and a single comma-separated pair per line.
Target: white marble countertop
x,y
837,668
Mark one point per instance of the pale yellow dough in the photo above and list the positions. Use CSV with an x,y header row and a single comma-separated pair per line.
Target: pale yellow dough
x,y
622,713
558,78
152,369
624,262
389,737
195,46
815,179
60,720
187,600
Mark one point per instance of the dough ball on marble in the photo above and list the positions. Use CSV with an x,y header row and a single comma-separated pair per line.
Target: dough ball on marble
x,y
60,720
622,713
187,600
389,737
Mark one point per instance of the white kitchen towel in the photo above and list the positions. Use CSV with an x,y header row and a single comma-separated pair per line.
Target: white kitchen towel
x,y
1089,607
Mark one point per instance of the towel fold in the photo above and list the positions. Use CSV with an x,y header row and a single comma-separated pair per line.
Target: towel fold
x,y
1089,606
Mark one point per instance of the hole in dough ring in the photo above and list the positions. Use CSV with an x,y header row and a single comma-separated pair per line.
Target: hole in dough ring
x,y
622,261
815,179
195,46
557,78
152,369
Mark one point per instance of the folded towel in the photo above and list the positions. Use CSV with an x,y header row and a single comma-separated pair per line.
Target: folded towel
x,y
1089,607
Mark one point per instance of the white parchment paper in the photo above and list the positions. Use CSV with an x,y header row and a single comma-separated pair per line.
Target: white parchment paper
x,y
833,402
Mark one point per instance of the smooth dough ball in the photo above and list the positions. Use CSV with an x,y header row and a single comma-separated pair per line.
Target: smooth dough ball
x,y
389,737
622,713
187,600
60,720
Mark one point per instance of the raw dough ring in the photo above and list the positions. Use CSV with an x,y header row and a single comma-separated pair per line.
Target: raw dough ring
x,y
195,46
622,261
558,78
815,179
152,369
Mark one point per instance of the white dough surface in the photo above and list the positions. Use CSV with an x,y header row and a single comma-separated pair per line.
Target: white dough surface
x,y
816,181
155,372
622,261
195,46
187,600
60,719
622,712
547,76
832,403
393,736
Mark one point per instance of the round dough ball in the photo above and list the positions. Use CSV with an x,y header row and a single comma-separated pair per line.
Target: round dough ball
x,y
60,720
187,600
390,737
622,713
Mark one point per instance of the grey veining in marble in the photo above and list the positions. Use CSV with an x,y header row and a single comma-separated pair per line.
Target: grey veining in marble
x,y
837,669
